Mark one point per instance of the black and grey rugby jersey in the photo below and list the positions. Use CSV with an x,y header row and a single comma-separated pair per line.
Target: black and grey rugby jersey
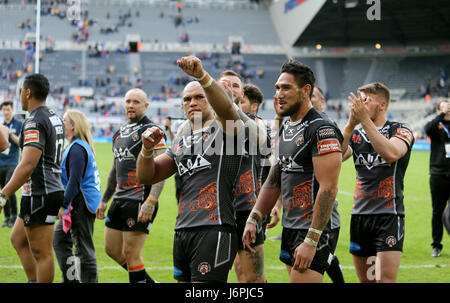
x,y
299,142
379,185
208,163
44,129
127,144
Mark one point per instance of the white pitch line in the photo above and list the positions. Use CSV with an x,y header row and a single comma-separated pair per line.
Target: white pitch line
x,y
267,267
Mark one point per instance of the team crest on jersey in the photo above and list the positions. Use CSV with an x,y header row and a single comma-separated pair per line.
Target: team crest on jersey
x,y
204,268
356,138
391,241
135,137
299,141
26,219
130,222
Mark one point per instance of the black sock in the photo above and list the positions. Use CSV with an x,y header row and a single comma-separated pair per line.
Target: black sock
x,y
335,271
137,276
147,276
125,266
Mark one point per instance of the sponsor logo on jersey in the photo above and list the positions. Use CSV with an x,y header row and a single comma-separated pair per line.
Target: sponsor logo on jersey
x,y
30,125
328,146
204,268
192,166
31,136
123,154
326,133
370,160
405,134
288,164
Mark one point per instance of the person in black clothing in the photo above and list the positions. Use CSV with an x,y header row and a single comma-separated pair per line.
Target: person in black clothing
x,y
135,205
438,130
9,158
39,172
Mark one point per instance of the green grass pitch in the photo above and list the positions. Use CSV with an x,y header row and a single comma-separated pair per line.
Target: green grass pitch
x,y
417,265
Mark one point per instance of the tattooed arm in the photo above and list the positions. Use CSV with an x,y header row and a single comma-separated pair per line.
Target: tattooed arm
x,y
326,169
148,208
108,193
270,191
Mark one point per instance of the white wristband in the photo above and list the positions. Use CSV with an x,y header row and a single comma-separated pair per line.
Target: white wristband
x,y
209,83
316,231
202,77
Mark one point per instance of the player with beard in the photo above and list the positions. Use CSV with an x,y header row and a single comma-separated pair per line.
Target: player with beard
x,y
305,174
134,205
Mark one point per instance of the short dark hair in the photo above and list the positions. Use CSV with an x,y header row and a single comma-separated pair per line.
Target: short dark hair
x,y
303,74
253,93
320,90
378,89
7,103
230,72
38,84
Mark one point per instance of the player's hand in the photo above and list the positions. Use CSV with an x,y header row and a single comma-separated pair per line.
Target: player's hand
x,y
304,254
275,217
359,111
61,212
100,212
226,85
146,212
192,66
249,237
152,136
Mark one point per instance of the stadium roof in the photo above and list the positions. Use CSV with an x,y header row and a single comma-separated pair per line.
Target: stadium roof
x,y
344,23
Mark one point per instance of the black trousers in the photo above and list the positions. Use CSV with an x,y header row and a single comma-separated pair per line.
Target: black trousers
x,y
83,264
10,208
440,194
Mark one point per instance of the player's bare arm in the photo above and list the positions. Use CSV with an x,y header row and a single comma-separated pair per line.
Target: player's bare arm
x,y
148,208
4,133
326,169
108,193
151,170
30,158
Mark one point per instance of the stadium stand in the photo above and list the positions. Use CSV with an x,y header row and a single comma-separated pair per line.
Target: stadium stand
x,y
96,55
